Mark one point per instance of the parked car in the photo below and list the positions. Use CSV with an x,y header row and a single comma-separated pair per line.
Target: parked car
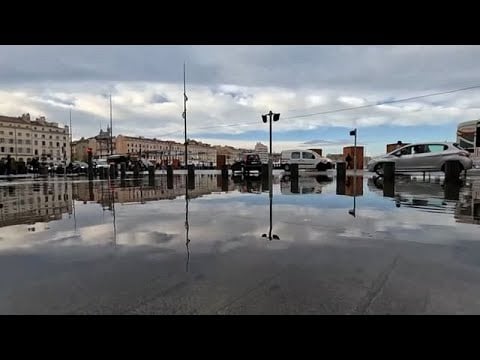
x,y
250,163
79,167
423,157
101,163
306,159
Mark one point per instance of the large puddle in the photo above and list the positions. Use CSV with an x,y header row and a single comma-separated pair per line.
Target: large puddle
x,y
221,246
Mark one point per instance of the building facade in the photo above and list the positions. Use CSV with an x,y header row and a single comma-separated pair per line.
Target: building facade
x,y
25,139
262,151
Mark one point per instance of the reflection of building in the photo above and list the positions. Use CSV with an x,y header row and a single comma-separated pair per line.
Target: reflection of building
x,y
24,139
141,192
354,185
28,204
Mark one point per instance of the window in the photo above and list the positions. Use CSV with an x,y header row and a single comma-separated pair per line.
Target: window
x,y
1,132
2,140
64,138
35,135
64,145
57,137
2,149
36,152
58,144
307,155
43,143
27,134
405,151
34,128
296,155
43,136
50,144
11,150
420,149
437,147
27,142
28,150
19,141
50,136
10,141
36,142
19,134
20,150
10,133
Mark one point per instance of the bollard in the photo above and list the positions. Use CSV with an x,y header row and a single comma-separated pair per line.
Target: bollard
x,y
136,170
224,171
123,170
170,182
90,166
294,171
90,190
169,170
112,171
388,188
264,170
190,180
452,189
151,171
294,188
341,171
265,182
151,175
452,171
191,171
389,171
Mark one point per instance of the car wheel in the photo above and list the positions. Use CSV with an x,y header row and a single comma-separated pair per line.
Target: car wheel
x,y
378,169
461,167
286,167
321,167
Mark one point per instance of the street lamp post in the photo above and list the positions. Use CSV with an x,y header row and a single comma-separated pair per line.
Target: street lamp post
x,y
275,117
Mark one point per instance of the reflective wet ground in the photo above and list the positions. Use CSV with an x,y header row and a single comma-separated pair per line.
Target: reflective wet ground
x,y
314,246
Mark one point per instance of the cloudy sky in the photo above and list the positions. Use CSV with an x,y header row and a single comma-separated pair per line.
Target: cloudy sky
x,y
229,87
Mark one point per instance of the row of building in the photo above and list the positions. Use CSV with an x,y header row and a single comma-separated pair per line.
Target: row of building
x,y
24,139
160,151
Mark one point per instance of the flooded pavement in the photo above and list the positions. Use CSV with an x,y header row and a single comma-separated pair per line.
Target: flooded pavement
x,y
314,246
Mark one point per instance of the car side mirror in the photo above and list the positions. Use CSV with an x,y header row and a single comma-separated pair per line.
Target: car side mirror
x,y
397,154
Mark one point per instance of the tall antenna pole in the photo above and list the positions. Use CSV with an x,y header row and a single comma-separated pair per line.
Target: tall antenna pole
x,y
111,131
71,137
185,114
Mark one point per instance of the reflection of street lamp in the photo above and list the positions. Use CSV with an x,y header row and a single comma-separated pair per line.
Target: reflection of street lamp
x,y
270,236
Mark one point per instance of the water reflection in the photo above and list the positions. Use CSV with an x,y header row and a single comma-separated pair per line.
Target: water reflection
x,y
270,235
34,203
187,225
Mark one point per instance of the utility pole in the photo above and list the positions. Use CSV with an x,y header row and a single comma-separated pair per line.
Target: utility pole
x,y
71,137
275,117
111,130
185,98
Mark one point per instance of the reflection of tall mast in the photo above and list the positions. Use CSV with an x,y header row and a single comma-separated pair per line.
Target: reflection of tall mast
x,y
114,216
187,226
270,195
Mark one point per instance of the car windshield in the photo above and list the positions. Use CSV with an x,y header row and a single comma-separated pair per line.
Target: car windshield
x,y
252,157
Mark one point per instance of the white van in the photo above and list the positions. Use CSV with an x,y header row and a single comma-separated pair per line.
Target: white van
x,y
306,159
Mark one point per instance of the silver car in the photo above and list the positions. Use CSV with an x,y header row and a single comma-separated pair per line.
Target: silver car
x,y
423,157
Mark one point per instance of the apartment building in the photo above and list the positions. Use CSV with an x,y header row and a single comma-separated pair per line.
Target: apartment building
x,y
24,139
262,151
